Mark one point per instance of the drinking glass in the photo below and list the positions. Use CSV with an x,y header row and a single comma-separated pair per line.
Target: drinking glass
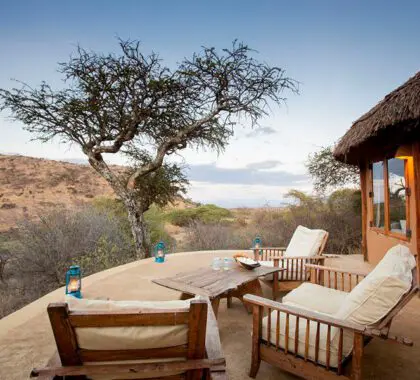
x,y
217,263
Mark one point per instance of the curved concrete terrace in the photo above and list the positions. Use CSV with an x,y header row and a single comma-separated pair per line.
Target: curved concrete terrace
x,y
26,339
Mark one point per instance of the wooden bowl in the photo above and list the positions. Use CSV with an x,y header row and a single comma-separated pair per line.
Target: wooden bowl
x,y
247,266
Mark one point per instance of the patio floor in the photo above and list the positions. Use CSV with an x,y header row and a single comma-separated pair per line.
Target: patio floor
x,y
26,339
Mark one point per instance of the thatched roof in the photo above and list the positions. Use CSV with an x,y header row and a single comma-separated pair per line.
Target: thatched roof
x,y
393,121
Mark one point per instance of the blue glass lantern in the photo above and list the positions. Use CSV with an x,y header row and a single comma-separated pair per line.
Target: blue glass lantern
x,y
257,243
160,251
74,281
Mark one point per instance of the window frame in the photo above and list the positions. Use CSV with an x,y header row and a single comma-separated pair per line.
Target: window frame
x,y
386,229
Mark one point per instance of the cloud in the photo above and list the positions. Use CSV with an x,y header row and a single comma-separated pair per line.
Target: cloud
x,y
263,165
261,131
228,195
210,173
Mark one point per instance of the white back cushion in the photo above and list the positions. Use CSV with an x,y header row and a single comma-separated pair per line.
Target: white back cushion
x,y
305,242
120,338
375,296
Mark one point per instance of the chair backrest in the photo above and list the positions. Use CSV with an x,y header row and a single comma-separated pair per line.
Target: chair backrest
x,y
385,287
386,321
306,242
125,332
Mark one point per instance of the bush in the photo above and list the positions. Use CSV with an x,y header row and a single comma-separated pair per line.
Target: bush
x,y
94,239
155,220
154,217
205,213
339,215
202,236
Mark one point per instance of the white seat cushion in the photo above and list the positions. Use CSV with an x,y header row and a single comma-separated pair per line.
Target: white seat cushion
x,y
305,242
120,338
322,356
316,298
375,296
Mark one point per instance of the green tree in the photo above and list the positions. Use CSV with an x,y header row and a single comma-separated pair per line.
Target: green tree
x,y
130,103
327,172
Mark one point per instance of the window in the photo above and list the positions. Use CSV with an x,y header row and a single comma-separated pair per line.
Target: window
x,y
390,196
378,195
397,195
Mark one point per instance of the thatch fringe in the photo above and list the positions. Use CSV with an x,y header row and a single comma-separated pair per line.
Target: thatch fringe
x,y
398,111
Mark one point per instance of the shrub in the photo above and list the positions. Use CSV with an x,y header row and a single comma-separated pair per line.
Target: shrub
x,y
201,236
206,213
43,251
339,215
154,217
155,220
8,206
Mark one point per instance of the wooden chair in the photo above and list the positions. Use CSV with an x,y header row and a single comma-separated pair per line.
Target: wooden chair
x,y
301,364
295,266
200,358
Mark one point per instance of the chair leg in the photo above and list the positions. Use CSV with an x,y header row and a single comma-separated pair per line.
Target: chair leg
x,y
275,285
229,302
257,314
215,305
255,366
356,362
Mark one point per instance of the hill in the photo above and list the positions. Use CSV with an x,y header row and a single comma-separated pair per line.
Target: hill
x,y
31,186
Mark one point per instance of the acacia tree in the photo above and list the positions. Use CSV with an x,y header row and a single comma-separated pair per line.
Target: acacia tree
x,y
327,172
132,104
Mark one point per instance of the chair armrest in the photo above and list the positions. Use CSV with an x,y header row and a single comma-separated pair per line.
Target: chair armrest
x,y
267,253
305,258
304,313
269,248
385,335
54,361
338,270
294,267
335,278
296,258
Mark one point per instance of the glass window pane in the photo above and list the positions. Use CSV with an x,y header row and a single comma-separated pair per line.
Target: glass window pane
x,y
397,195
378,194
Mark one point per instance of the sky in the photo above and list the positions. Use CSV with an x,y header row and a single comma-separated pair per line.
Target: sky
x,y
346,55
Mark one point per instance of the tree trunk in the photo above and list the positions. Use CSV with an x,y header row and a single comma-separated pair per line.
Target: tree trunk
x,y
138,229
135,215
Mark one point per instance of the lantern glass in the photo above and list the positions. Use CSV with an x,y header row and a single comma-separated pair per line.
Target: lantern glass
x,y
160,252
74,285
74,281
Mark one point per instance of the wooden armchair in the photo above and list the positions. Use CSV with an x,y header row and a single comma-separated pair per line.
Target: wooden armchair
x,y
295,271
201,356
315,345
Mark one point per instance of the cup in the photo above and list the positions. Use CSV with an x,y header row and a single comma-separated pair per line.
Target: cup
x,y
217,263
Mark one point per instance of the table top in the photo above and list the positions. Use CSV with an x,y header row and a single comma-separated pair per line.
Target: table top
x,y
213,283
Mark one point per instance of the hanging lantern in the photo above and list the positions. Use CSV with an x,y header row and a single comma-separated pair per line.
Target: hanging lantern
x,y
160,251
74,281
257,243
